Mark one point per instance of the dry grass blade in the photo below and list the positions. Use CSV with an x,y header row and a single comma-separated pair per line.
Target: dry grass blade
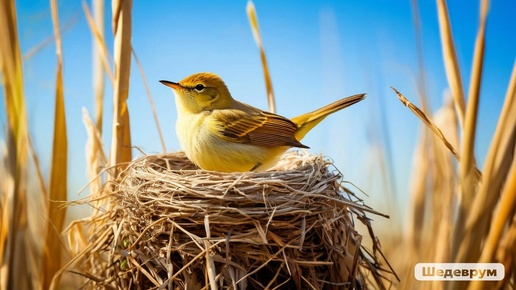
x,y
421,83
58,175
468,182
95,157
253,20
506,250
50,39
122,26
210,267
151,101
100,60
78,259
16,259
13,85
495,170
431,125
501,218
98,34
95,137
76,237
426,120
451,63
467,147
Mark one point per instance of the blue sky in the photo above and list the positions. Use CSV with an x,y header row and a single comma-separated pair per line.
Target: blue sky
x,y
318,52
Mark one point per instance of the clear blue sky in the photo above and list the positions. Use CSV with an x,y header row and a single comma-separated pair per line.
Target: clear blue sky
x,y
318,52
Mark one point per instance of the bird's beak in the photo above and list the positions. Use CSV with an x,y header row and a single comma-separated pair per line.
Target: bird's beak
x,y
171,84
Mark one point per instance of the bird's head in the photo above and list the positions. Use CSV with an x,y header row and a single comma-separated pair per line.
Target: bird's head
x,y
201,92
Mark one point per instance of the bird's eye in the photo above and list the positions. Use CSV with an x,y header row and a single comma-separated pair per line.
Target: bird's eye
x,y
199,87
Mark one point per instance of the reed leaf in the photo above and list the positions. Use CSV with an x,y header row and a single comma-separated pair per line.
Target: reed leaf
x,y
431,125
16,259
427,121
121,139
13,86
451,63
58,173
253,20
468,163
100,60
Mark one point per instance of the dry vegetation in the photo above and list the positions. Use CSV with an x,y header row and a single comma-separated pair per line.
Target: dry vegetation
x,y
173,226
458,213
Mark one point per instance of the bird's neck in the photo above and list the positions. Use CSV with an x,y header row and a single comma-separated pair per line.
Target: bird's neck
x,y
183,108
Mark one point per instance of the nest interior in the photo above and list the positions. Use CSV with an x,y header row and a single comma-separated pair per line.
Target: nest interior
x,y
165,224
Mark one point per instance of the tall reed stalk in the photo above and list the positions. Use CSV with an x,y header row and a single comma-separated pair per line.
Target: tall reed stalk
x,y
17,260
121,140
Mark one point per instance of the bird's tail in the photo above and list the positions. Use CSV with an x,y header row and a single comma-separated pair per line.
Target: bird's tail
x,y
307,121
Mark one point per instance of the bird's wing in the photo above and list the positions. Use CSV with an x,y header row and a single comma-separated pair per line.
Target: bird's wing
x,y
257,128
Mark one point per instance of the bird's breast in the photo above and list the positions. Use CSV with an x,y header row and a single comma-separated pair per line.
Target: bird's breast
x,y
188,128
207,150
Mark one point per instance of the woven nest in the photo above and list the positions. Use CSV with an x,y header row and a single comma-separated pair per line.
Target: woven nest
x,y
168,225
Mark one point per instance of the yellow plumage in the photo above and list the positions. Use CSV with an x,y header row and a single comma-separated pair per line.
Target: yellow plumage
x,y
220,133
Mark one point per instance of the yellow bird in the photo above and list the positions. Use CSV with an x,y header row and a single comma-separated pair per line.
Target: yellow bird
x,y
220,133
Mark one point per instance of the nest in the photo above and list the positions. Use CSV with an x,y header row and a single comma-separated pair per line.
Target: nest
x,y
168,225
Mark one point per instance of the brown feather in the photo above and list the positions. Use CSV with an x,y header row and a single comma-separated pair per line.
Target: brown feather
x,y
256,128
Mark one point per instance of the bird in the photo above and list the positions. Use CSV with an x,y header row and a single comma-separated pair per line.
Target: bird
x,y
219,133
